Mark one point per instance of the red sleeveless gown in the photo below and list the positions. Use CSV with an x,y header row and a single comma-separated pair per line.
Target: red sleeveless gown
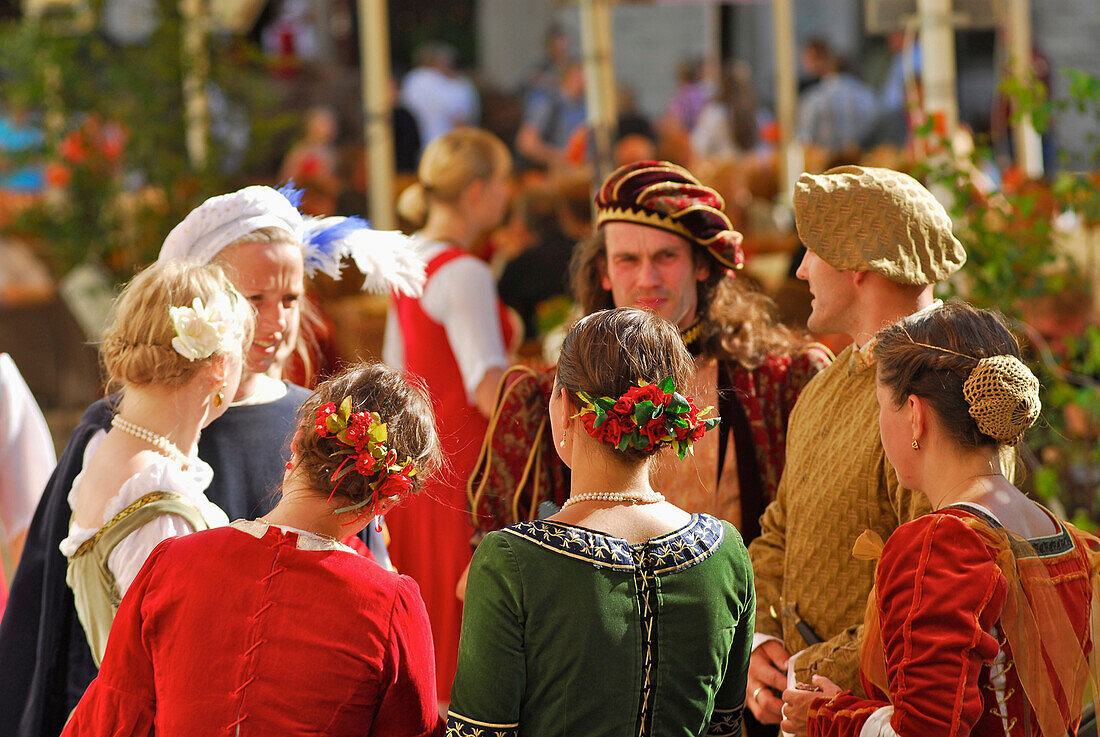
x,y
430,533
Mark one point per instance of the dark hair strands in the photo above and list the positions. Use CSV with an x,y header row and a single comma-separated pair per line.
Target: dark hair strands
x,y
403,406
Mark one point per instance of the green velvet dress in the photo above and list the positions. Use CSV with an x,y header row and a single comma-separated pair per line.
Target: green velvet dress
x,y
568,631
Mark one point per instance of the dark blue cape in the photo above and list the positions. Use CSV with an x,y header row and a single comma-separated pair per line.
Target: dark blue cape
x,y
45,663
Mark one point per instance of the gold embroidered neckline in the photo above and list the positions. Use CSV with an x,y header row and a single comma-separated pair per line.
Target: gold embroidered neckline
x,y
690,334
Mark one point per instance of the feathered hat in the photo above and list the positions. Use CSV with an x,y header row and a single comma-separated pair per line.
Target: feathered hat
x,y
385,258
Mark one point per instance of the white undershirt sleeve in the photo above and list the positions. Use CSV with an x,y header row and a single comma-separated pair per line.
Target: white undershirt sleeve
x,y
393,347
878,724
130,554
462,297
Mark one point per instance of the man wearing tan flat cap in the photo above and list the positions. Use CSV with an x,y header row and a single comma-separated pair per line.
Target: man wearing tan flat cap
x,y
877,243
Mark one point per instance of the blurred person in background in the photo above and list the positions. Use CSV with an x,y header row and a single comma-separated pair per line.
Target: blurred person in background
x,y
27,459
437,95
552,121
540,271
456,338
838,112
728,123
311,163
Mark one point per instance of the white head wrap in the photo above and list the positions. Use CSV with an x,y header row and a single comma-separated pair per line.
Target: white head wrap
x,y
221,220
386,258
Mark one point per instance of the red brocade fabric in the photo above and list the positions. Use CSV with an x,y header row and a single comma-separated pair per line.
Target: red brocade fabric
x,y
430,532
226,634
940,597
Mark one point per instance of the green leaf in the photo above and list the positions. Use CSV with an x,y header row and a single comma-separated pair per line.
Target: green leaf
x,y
667,385
345,408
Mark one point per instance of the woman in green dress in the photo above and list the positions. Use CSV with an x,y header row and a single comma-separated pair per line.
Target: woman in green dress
x,y
621,614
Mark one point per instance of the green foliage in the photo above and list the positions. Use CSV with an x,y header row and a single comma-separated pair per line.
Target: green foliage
x,y
1013,266
116,195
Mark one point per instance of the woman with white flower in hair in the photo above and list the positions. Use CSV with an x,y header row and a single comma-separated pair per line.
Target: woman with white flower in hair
x,y
175,351
267,248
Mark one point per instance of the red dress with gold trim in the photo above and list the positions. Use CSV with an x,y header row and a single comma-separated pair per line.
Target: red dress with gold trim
x,y
251,630
961,649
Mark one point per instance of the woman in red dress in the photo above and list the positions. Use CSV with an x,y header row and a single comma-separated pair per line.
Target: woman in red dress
x,y
273,626
455,338
984,613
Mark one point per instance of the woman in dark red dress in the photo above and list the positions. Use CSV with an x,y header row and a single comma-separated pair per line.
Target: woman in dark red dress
x,y
273,626
984,613
455,338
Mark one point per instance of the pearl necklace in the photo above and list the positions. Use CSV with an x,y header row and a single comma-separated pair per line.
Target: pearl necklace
x,y
645,497
161,443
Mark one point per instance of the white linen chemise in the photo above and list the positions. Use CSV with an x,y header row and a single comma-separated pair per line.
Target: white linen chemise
x,y
162,475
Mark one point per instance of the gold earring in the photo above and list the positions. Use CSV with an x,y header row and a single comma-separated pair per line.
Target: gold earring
x,y
219,397
562,441
916,445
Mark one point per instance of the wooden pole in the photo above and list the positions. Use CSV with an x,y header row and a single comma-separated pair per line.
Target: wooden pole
x,y
374,66
937,41
1028,144
599,81
196,68
788,149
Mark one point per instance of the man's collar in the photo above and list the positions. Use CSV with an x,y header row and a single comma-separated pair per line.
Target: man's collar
x,y
864,356
690,334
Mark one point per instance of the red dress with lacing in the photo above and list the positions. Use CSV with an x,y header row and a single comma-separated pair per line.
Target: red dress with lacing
x,y
224,633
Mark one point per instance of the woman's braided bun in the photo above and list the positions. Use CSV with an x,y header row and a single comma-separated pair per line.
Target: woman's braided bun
x,y
966,364
137,347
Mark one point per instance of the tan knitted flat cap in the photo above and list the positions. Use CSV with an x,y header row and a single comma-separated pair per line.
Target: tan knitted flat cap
x,y
869,219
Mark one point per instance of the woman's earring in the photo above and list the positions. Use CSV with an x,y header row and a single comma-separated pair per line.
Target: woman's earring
x,y
219,397
916,445
378,523
562,441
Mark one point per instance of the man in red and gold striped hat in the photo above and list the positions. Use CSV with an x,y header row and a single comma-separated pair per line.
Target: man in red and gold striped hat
x,y
664,244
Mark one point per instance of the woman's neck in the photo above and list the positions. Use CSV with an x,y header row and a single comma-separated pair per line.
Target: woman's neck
x,y
308,509
592,471
249,383
178,415
962,476
447,224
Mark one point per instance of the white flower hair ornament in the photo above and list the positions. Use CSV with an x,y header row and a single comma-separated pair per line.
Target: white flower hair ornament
x,y
202,331
386,258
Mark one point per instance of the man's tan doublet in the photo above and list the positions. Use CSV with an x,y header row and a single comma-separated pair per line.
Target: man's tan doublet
x,y
836,483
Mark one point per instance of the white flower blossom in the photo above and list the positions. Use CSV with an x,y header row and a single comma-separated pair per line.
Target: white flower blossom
x,y
202,331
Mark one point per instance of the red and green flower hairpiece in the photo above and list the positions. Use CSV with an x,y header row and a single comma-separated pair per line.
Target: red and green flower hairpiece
x,y
645,417
360,439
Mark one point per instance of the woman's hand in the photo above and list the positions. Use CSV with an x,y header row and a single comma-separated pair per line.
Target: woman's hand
x,y
796,703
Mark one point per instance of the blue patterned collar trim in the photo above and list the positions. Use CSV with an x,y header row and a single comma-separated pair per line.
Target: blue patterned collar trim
x,y
680,549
